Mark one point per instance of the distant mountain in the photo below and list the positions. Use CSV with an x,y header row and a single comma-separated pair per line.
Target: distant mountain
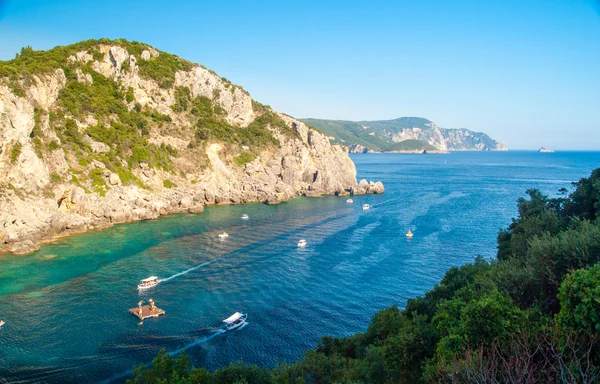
x,y
405,134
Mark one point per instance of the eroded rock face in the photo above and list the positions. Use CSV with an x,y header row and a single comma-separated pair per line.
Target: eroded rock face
x,y
36,208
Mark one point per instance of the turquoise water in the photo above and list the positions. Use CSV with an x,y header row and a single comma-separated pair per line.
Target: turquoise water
x,y
66,305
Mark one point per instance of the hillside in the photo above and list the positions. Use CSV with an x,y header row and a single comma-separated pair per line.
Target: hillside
x,y
384,135
110,131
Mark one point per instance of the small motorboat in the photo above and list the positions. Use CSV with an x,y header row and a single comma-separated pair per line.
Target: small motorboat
x,y
148,283
366,207
235,321
302,243
349,201
2,323
223,235
245,217
409,234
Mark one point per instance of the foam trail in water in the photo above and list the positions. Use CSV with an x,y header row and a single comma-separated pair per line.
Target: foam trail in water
x,y
387,201
129,372
186,271
198,341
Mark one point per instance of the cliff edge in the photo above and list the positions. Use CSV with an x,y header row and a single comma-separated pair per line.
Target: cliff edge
x,y
111,131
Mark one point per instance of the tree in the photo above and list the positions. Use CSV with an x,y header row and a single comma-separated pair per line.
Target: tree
x,y
579,299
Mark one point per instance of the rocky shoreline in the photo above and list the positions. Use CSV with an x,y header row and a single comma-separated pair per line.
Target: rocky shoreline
x,y
67,165
65,223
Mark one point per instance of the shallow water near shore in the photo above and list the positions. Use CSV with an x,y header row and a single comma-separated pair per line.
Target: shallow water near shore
x,y
66,306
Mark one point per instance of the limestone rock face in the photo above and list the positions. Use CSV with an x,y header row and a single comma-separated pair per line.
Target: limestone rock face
x,y
41,195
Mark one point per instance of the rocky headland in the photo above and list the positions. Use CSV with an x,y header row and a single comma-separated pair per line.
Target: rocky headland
x,y
404,135
110,131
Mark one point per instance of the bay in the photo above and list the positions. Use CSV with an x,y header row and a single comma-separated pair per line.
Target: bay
x,y
66,305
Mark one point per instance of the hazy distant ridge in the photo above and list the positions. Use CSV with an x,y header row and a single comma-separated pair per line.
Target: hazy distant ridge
x,y
404,134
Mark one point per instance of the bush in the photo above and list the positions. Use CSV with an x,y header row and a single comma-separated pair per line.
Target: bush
x,y
169,184
580,301
53,145
15,152
244,157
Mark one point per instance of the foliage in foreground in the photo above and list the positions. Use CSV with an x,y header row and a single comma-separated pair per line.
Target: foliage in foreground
x,y
531,316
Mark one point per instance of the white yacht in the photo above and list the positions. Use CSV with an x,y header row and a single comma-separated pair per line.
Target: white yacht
x,y
245,217
223,235
349,201
148,283
302,243
366,207
235,321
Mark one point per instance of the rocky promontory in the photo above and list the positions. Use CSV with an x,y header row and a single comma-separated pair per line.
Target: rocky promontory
x,y
110,131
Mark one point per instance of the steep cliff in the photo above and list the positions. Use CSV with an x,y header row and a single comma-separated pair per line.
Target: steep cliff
x,y
404,134
104,132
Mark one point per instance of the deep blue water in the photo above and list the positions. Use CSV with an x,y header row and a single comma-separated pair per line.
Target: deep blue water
x,y
66,305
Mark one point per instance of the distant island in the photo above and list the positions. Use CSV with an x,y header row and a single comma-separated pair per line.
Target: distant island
x,y
546,150
403,135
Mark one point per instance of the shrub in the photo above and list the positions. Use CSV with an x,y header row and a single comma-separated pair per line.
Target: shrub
x,y
169,184
244,157
15,152
55,178
53,145
579,301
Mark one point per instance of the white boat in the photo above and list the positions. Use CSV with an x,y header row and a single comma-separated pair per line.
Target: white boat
x,y
349,201
409,234
366,206
148,283
235,321
2,323
223,235
302,243
245,217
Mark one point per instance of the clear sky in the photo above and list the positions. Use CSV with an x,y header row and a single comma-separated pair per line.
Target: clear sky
x,y
527,72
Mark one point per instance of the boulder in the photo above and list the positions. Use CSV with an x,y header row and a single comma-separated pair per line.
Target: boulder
x,y
114,179
196,208
24,247
77,195
313,193
186,202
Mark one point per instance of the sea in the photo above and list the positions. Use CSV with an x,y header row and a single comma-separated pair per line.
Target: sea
x,y
66,306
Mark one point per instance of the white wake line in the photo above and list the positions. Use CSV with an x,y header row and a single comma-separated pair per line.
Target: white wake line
x,y
198,341
194,343
387,201
187,271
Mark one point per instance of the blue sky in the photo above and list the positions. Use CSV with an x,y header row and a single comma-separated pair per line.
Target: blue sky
x,y
526,72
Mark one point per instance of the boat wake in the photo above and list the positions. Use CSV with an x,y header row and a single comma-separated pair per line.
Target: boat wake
x,y
198,341
186,271
201,340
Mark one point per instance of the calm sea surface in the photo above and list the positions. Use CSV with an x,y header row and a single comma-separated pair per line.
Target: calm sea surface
x,y
66,305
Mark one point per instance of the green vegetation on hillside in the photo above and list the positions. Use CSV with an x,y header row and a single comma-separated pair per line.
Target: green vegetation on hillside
x,y
128,129
531,316
377,135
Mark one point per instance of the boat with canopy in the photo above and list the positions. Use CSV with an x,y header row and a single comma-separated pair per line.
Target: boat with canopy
x,y
235,321
302,243
148,283
366,207
223,235
245,217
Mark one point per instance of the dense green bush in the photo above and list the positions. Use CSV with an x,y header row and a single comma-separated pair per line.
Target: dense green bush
x,y
580,301
15,151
